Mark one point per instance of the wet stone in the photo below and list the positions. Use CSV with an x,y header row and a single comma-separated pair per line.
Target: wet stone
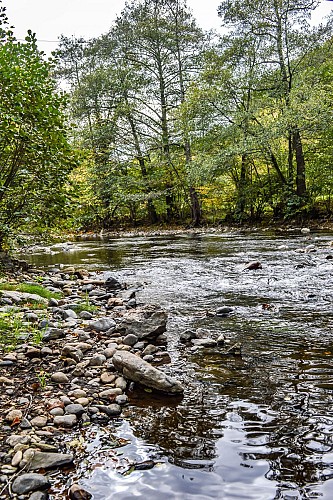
x,y
44,460
29,482
39,495
65,421
74,409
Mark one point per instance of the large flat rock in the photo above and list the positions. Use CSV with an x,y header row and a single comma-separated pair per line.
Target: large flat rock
x,y
138,370
44,460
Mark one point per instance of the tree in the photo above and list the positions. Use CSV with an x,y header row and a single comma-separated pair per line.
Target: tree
x,y
127,90
35,154
283,27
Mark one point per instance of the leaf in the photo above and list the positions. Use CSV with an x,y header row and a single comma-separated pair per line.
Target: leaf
x,y
16,421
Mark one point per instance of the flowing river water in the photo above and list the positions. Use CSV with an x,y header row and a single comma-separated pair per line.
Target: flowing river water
x,y
259,426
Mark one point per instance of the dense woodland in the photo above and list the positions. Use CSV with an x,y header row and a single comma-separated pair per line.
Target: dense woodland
x,y
157,121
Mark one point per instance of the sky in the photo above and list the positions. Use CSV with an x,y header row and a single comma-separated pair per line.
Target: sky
x,y
89,18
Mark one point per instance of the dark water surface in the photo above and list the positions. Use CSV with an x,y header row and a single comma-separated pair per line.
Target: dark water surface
x,y
257,427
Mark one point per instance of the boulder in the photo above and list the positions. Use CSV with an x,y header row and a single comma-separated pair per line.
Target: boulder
x,y
145,325
138,370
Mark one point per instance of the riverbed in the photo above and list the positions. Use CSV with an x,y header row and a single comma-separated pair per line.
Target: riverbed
x,y
256,426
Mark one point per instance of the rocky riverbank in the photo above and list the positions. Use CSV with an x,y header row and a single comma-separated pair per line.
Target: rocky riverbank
x,y
69,366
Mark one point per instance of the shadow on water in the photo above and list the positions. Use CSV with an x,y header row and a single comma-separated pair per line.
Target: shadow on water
x,y
259,426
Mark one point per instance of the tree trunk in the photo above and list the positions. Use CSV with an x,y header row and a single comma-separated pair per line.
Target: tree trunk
x,y
300,165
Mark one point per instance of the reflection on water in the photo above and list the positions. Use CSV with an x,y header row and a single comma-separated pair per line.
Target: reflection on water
x,y
259,427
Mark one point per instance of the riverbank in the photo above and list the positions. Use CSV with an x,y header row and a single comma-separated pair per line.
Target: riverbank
x,y
66,365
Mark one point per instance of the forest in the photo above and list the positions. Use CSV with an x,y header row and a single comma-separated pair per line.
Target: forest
x,y
160,122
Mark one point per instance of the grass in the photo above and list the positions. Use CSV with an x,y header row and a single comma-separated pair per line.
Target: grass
x,y
27,288
85,306
12,327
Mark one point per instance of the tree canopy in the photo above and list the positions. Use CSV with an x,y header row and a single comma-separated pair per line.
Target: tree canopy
x,y
174,125
36,155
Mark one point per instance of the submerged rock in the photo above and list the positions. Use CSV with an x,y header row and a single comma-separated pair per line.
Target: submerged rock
x,y
252,266
138,370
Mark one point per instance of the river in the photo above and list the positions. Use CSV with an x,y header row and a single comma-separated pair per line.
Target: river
x,y
259,426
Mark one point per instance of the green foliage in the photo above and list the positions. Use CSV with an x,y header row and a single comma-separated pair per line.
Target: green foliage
x,y
173,123
36,156
13,330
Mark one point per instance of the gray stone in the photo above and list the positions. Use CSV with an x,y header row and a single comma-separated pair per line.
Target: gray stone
x,y
17,458
53,334
39,495
204,342
122,399
138,370
30,482
69,313
39,421
110,393
44,460
145,325
112,410
33,352
31,317
13,415
102,324
97,360
251,266
56,412
121,383
78,393
221,340
109,352
16,296
223,311
15,439
74,409
72,352
150,349
59,378
112,284
65,421
85,315
130,339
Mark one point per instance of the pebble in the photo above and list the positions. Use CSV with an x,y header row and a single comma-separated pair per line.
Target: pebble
x,y
82,401
59,378
39,421
17,458
108,378
74,409
65,420
13,415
